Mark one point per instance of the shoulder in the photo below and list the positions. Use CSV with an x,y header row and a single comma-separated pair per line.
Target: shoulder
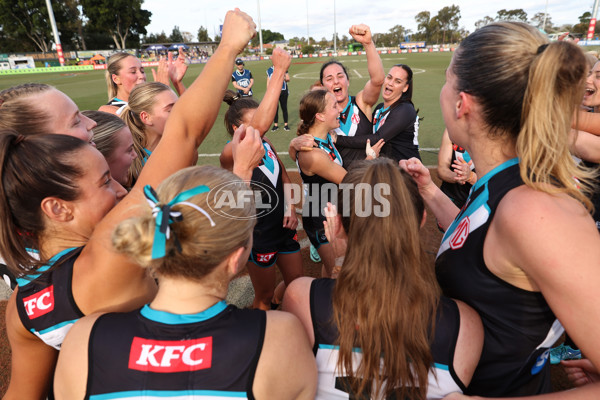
x,y
108,108
523,206
546,233
72,368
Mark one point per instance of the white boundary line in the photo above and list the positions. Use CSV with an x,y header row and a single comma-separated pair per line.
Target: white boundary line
x,y
218,154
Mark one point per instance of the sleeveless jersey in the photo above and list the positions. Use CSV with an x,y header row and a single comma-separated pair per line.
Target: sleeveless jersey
x,y
45,301
315,196
270,72
456,192
242,79
353,122
519,326
120,104
266,179
442,377
150,354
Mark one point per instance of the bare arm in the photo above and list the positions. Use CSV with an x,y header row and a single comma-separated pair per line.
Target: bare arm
x,y
286,368
32,361
111,279
296,300
444,210
318,163
263,117
302,142
469,343
368,97
70,378
588,122
585,146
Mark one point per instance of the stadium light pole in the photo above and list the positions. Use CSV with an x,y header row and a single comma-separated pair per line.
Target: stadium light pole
x,y
307,33
592,28
259,28
334,30
545,17
61,58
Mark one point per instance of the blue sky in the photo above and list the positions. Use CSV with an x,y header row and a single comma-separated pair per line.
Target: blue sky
x,y
290,17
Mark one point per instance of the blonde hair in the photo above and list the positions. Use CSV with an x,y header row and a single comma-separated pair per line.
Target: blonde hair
x,y
203,246
386,296
142,98
113,66
19,113
528,89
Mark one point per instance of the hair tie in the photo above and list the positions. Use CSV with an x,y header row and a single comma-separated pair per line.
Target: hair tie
x,y
236,97
541,48
164,216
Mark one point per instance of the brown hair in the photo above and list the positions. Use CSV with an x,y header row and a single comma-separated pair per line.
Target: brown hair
x,y
104,133
311,104
18,111
203,246
528,90
142,98
386,295
237,108
32,168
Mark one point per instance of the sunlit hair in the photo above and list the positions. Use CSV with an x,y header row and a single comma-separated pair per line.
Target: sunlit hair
x,y
143,97
33,168
237,109
528,90
386,295
113,66
18,109
104,133
592,58
311,104
327,64
203,246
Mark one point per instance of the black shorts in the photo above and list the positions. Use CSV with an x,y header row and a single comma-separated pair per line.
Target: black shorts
x,y
315,231
266,255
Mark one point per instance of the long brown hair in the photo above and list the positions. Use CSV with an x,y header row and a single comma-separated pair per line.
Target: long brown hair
x,y
18,110
311,104
31,169
386,295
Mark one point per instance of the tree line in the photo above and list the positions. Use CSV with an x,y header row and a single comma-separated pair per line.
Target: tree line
x,y
96,24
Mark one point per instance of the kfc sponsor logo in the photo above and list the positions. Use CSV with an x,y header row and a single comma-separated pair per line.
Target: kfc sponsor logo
x,y
265,257
170,355
459,237
40,303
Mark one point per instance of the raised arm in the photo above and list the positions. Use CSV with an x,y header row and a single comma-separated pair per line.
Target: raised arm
x,y
190,121
587,121
443,208
368,97
268,106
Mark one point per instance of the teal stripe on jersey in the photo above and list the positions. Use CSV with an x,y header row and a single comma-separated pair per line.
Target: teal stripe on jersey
x,y
165,394
178,319
55,327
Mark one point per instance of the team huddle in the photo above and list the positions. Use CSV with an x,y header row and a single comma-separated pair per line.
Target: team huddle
x,y
123,253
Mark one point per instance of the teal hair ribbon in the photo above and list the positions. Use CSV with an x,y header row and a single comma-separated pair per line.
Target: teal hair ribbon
x,y
164,216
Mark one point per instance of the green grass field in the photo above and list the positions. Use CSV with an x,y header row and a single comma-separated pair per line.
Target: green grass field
x,y
88,90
